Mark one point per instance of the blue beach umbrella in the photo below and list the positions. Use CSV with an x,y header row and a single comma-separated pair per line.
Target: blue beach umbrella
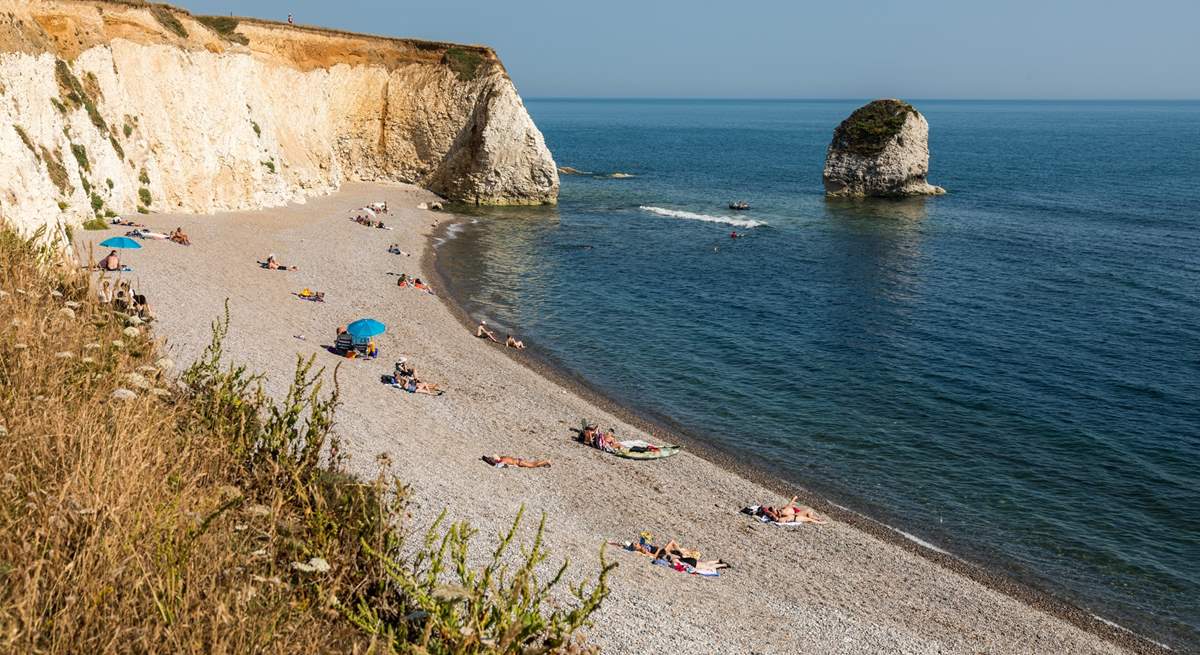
x,y
365,327
120,242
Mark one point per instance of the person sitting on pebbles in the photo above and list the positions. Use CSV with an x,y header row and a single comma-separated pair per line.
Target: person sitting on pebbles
x,y
482,331
180,237
514,343
272,265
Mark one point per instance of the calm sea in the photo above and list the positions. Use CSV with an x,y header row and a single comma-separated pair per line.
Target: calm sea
x,y
1010,372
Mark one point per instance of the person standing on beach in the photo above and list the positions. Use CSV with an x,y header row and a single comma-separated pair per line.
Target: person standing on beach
x,y
290,21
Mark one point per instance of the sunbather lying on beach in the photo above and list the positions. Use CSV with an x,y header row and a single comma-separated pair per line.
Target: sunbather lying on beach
x,y
180,237
505,460
418,284
140,233
790,513
273,265
395,250
126,222
413,385
514,343
482,331
675,554
309,294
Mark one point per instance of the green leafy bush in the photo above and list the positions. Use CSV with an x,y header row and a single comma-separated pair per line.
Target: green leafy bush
x,y
144,196
97,202
269,165
143,177
95,224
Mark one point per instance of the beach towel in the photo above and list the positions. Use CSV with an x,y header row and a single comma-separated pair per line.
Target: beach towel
x,y
688,568
753,510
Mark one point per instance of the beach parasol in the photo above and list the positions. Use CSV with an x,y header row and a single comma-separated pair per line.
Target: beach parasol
x,y
120,242
365,327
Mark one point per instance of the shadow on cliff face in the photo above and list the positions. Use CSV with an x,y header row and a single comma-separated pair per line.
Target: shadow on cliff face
x,y
895,209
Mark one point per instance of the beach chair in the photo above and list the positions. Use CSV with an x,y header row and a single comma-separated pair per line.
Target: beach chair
x,y
344,343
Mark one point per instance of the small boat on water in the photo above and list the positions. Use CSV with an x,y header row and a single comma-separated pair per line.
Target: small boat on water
x,y
740,205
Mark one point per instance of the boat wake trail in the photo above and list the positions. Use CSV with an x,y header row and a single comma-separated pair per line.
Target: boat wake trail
x,y
691,216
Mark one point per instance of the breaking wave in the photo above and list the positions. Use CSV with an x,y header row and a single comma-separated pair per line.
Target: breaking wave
x,y
691,216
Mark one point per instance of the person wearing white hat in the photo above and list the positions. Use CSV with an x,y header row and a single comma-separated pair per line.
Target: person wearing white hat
x,y
483,331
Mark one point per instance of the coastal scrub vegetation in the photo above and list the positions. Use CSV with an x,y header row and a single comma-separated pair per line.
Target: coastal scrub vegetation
x,y
225,27
95,224
167,19
144,196
27,141
869,129
464,63
200,515
58,172
73,92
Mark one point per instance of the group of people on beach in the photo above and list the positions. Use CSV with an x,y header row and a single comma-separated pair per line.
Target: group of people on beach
x,y
484,332
124,298
404,281
140,231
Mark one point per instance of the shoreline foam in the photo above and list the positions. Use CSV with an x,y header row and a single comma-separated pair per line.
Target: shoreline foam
x,y
852,586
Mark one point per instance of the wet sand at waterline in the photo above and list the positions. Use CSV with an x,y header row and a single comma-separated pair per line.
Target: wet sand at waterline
x,y
814,589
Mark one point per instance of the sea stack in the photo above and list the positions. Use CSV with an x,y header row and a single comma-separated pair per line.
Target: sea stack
x,y
881,150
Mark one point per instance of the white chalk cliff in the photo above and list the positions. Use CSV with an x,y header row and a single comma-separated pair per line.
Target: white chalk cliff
x,y
114,107
881,150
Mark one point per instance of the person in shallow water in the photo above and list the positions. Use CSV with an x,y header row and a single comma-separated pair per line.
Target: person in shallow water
x,y
514,343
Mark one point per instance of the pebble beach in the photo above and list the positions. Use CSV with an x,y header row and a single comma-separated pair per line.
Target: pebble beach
x,y
832,588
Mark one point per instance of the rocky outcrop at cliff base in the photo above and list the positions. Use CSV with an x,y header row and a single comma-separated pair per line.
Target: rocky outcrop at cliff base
x,y
881,150
112,108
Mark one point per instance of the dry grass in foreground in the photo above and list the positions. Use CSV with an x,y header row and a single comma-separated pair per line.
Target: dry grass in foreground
x,y
138,514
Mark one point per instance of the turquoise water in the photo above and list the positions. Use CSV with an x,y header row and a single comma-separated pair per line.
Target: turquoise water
x,y
1010,372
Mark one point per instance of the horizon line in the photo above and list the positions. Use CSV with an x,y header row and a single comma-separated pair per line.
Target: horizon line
x,y
854,99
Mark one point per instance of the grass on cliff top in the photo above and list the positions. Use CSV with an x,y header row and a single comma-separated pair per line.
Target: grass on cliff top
x,y
869,129
464,63
138,515
225,27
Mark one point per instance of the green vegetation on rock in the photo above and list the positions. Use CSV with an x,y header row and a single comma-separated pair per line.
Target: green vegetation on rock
x,y
167,19
225,27
58,172
81,157
143,177
869,129
269,165
75,95
464,63
95,224
27,141
144,196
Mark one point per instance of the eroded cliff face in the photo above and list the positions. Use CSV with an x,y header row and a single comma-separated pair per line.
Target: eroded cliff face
x,y
116,107
880,150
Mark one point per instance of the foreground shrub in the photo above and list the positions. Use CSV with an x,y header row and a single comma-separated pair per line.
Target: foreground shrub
x,y
142,515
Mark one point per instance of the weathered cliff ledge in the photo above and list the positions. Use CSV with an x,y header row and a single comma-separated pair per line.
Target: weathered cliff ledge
x,y
881,150
112,107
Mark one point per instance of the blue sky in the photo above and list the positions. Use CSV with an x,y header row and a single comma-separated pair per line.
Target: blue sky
x,y
799,48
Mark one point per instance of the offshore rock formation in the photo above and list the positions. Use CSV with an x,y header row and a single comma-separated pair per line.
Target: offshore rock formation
x,y
881,150
111,107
